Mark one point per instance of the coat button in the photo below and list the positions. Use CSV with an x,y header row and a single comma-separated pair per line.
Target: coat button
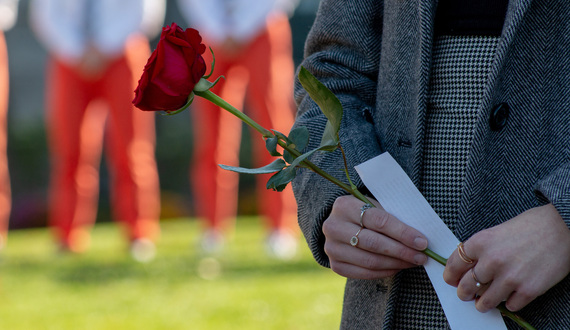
x,y
499,116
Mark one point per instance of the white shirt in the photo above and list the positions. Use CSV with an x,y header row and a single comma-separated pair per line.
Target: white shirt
x,y
8,14
240,20
68,27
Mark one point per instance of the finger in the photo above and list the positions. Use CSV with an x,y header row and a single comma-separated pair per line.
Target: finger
x,y
380,244
364,259
371,241
352,271
517,300
493,296
456,267
377,219
470,286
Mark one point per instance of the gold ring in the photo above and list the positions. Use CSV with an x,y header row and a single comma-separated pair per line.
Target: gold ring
x,y
354,239
462,254
477,282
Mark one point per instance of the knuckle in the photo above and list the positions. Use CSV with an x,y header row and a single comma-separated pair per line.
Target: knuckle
x,y
326,228
485,304
336,267
462,292
382,220
495,261
527,294
407,234
370,262
463,296
329,250
511,281
513,307
342,202
403,254
481,239
374,244
448,278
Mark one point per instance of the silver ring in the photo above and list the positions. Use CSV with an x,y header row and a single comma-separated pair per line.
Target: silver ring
x,y
363,209
354,239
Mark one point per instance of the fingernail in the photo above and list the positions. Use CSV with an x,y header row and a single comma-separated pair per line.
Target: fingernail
x,y
420,259
421,243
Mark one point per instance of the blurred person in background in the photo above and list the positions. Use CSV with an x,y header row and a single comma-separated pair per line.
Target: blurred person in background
x,y
97,50
8,16
253,50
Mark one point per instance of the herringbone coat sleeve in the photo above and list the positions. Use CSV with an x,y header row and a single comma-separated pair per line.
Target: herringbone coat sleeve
x,y
342,51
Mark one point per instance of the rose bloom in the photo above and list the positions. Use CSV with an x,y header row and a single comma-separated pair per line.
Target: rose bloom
x,y
172,70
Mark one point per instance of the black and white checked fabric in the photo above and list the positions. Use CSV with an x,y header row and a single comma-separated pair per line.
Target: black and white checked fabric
x,y
460,69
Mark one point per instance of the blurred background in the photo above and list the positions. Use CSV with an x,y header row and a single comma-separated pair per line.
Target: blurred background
x,y
182,288
27,149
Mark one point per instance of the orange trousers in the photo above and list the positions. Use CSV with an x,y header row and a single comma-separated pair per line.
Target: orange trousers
x,y
82,112
5,193
262,74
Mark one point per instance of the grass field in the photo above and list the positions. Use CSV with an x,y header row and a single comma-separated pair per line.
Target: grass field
x,y
180,289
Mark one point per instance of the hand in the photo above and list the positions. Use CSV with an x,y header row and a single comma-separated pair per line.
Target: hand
x,y
231,47
517,261
385,245
93,63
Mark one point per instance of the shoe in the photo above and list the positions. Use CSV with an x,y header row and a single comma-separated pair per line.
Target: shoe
x,y
281,244
212,242
77,243
143,250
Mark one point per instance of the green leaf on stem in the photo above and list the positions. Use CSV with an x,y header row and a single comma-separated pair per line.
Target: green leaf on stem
x,y
271,146
213,64
288,157
281,136
298,160
330,140
280,179
184,107
205,85
327,101
276,165
300,137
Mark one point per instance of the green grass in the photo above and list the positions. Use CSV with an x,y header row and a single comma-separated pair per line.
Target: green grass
x,y
180,289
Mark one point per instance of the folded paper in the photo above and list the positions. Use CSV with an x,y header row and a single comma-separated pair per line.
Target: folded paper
x,y
397,194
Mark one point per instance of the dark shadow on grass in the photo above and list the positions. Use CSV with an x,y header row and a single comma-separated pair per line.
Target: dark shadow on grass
x,y
77,271
173,268
96,273
272,267
176,270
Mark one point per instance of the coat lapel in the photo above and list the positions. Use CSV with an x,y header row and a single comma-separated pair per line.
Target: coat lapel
x,y
472,185
427,11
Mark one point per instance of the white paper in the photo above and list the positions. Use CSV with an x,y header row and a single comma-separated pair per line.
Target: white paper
x,y
390,185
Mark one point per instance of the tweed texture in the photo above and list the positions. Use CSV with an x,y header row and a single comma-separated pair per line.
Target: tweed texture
x,y
376,55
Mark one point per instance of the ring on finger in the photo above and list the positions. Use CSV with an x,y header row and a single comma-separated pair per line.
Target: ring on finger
x,y
354,239
362,210
477,282
462,254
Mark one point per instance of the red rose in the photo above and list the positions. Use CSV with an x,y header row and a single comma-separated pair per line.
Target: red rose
x,y
172,70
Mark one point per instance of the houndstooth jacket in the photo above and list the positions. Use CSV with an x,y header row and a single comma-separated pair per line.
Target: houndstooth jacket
x,y
375,56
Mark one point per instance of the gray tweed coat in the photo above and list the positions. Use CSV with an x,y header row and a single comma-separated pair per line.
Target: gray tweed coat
x,y
375,56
